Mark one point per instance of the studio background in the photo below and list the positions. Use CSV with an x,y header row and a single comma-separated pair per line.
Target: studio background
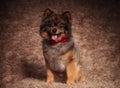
x,y
96,32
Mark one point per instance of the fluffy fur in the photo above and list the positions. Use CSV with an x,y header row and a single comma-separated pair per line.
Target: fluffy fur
x,y
60,55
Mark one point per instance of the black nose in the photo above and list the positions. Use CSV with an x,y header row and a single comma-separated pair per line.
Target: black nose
x,y
54,30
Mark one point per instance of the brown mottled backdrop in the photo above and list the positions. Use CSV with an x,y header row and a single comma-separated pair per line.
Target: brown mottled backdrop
x,y
96,31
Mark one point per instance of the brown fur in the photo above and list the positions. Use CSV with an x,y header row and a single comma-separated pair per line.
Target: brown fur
x,y
61,57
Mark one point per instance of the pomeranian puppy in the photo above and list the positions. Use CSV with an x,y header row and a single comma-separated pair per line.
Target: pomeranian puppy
x,y
59,49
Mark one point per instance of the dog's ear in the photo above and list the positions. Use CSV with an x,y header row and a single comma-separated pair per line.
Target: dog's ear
x,y
47,13
67,16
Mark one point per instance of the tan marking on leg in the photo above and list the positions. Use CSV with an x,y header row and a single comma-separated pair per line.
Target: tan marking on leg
x,y
50,76
71,72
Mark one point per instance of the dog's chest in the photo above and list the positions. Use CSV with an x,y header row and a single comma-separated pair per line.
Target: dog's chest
x,y
52,56
57,64
54,60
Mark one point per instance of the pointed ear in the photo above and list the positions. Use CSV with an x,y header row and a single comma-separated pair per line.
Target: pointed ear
x,y
47,13
67,16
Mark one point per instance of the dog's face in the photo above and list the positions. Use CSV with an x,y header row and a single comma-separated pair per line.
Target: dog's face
x,y
55,26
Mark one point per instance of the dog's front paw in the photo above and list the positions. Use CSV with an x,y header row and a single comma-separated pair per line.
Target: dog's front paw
x,y
50,80
70,82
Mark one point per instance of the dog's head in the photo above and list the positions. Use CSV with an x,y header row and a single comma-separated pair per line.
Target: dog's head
x,y
55,26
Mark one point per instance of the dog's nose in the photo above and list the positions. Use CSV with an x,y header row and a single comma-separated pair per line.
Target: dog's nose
x,y
54,30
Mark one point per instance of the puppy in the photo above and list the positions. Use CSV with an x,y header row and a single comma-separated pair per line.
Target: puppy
x,y
59,49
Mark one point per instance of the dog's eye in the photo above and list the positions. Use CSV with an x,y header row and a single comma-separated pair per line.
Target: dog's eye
x,y
48,24
61,26
43,29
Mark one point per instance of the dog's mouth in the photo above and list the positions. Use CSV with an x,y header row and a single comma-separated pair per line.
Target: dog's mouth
x,y
55,36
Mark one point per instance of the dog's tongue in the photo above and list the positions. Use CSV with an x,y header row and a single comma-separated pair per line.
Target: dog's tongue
x,y
54,37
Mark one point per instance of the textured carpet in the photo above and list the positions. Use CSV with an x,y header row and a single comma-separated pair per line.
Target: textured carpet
x,y
96,31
